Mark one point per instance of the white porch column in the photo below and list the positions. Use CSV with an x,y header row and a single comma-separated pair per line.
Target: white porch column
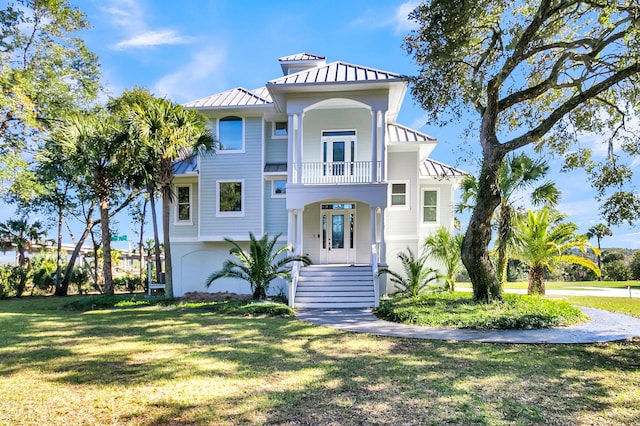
x,y
299,233
290,141
383,147
300,118
383,245
373,226
374,145
291,228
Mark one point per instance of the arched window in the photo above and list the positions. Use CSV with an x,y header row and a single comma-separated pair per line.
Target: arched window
x,y
230,134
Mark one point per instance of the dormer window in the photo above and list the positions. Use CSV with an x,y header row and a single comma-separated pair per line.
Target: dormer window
x,y
230,134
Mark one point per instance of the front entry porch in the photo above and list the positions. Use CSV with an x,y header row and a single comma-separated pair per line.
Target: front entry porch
x,y
340,237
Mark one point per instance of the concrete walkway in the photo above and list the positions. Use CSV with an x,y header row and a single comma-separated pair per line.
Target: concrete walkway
x,y
604,326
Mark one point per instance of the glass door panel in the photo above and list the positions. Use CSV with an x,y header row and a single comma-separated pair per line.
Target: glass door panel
x,y
337,231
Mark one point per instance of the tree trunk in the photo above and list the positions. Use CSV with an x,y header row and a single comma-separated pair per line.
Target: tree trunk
x,y
475,245
168,270
59,291
504,226
537,282
141,242
156,238
106,246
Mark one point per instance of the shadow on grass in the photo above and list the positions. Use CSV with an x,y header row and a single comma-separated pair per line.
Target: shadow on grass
x,y
284,371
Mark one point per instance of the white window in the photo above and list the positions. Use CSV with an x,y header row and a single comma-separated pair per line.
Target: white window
x,y
230,198
278,188
399,194
183,205
280,129
230,134
430,206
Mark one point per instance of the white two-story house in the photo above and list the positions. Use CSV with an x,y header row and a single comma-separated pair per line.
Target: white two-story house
x,y
316,156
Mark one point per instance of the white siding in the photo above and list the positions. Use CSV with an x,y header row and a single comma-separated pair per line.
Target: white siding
x,y
402,221
246,167
315,121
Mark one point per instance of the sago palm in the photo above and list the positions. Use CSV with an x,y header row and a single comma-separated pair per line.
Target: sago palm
x,y
542,241
445,247
259,265
416,276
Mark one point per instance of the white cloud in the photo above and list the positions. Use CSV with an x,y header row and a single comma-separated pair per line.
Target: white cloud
x,y
202,73
154,38
130,17
400,21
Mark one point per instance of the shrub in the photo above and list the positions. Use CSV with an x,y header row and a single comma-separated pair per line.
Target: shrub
x,y
128,283
616,270
80,279
460,311
5,285
634,265
18,280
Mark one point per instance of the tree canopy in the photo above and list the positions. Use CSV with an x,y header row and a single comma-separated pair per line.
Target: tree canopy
x,y
44,73
538,74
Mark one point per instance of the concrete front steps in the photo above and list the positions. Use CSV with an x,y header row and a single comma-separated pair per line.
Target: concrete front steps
x,y
331,286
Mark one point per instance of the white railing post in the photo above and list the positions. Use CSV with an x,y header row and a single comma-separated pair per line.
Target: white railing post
x,y
376,281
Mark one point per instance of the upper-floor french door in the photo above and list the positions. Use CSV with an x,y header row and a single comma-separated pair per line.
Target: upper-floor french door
x,y
338,152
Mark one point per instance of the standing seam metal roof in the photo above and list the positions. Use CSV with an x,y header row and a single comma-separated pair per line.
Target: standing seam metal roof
x,y
302,57
336,72
434,169
234,97
399,133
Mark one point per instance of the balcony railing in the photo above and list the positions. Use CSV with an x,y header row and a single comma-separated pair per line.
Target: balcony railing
x,y
321,173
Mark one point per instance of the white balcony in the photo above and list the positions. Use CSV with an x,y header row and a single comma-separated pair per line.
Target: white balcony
x,y
329,173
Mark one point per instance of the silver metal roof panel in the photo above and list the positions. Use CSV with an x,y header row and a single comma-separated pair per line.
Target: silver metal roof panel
x,y
399,133
234,97
434,169
337,72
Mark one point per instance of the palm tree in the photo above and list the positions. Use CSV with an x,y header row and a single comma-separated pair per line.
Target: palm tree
x,y
599,231
417,275
543,240
517,173
259,266
98,148
170,133
446,248
23,236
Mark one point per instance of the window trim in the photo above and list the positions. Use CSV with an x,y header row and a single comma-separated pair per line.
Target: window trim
x,y
177,221
229,151
437,206
273,188
240,213
273,130
407,195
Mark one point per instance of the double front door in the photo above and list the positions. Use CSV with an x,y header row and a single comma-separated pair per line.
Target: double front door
x,y
338,233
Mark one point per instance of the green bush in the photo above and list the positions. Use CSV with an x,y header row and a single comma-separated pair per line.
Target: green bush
x,y
18,280
80,279
5,284
616,270
128,283
459,310
634,265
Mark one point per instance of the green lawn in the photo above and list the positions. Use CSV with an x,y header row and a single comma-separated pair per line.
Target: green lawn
x,y
567,285
153,366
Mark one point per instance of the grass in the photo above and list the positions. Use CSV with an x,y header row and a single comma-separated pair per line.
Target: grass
x,y
566,285
156,366
623,305
458,310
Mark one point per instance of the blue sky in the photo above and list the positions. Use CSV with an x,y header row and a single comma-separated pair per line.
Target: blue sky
x,y
190,49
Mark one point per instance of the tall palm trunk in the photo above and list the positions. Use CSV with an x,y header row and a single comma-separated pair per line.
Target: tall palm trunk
x,y
537,281
141,242
156,238
106,246
504,228
168,270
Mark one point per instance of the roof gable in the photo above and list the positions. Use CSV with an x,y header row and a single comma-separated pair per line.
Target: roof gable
x,y
434,169
398,133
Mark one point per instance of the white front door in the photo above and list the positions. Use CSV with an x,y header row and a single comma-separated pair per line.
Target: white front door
x,y
338,233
